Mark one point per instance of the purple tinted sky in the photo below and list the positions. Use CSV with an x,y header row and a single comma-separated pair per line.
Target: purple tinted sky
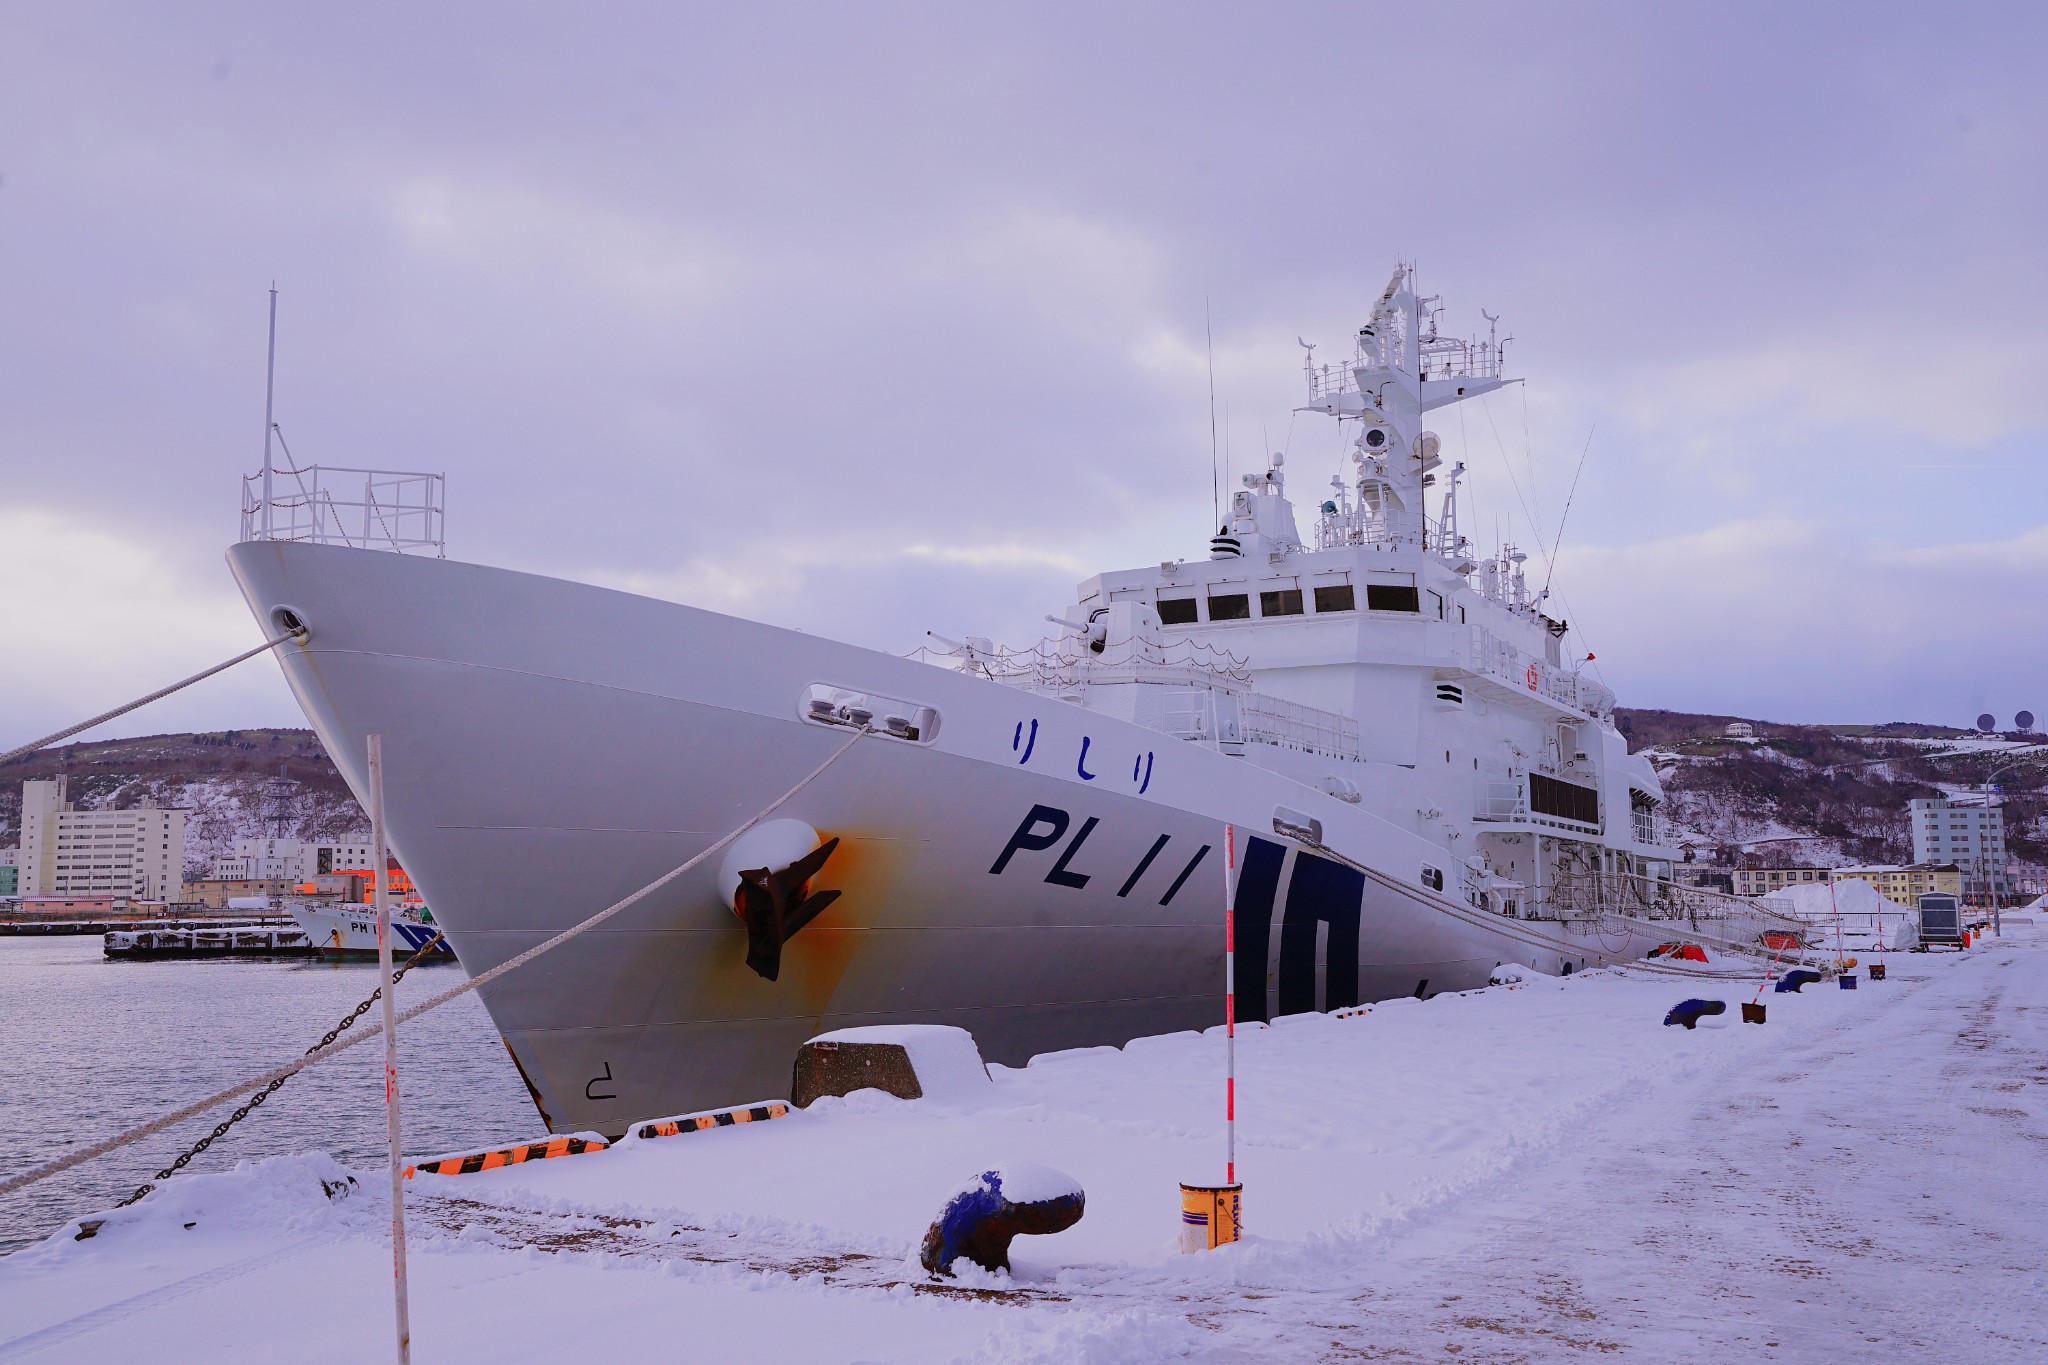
x,y
871,319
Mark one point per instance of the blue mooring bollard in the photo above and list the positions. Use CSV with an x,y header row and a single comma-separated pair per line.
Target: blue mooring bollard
x,y
1791,981
1688,1013
983,1216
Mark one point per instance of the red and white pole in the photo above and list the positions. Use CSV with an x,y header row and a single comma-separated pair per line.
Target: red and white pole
x,y
1230,1004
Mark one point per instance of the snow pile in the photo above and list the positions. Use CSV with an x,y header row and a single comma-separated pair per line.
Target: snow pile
x,y
1134,1338
1821,901
1504,1127
307,1193
1022,1182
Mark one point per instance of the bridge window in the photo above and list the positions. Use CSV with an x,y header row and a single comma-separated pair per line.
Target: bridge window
x,y
1234,607
1338,598
1285,602
1392,597
1176,611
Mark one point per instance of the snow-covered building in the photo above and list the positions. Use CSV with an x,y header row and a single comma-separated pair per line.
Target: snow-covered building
x,y
1970,836
137,853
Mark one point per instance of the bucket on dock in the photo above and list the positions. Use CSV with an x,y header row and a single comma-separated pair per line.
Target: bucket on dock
x,y
1752,1013
1877,971
1209,1216
1847,981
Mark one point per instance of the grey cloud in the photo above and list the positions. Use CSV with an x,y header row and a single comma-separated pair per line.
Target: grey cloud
x,y
676,285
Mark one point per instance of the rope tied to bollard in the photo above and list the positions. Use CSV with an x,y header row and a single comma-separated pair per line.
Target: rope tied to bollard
x,y
433,1002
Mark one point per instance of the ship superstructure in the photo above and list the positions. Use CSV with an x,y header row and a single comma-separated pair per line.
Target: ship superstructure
x,y
1384,661
1028,844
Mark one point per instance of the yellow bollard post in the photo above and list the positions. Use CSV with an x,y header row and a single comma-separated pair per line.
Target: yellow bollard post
x,y
1210,1215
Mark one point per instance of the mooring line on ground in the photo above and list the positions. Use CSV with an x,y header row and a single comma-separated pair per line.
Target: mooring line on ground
x,y
374,1030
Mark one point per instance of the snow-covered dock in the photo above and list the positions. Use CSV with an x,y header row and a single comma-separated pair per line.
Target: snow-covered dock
x,y
1534,1172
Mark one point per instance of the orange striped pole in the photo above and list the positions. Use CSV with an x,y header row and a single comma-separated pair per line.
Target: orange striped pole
x,y
1230,1004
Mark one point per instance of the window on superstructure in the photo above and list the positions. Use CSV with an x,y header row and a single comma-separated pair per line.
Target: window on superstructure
x,y
1285,602
1338,598
1392,597
1233,607
1176,611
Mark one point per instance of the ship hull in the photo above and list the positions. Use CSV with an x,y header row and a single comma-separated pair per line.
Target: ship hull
x,y
1037,873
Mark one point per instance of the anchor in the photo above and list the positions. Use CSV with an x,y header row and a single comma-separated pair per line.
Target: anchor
x,y
775,905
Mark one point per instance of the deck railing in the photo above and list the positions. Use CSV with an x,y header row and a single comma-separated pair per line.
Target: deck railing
x,y
373,509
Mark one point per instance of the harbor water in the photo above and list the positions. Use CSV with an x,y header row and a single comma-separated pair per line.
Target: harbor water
x,y
90,1046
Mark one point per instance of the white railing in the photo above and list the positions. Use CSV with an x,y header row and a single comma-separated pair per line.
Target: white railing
x,y
1491,655
373,509
1290,725
1231,720
1329,380
1357,527
1450,359
1503,800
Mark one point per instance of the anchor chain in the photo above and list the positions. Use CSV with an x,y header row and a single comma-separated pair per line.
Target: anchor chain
x,y
249,1107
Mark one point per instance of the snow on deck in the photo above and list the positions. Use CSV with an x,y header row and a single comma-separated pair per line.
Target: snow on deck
x,y
1541,1171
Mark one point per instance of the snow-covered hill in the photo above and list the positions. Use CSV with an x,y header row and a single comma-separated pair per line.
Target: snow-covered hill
x,y
221,778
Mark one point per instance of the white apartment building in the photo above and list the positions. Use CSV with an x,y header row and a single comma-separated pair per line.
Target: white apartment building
x,y
262,859
1970,836
134,854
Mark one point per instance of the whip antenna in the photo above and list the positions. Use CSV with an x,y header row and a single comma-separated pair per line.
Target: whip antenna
x,y
1550,571
1215,489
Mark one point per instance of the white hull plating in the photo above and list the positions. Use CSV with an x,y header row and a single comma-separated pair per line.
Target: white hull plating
x,y
1037,872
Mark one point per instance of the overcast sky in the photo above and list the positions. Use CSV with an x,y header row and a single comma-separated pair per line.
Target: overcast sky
x,y
873,320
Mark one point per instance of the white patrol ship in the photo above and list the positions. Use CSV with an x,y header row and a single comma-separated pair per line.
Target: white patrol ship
x,y
335,929
1028,844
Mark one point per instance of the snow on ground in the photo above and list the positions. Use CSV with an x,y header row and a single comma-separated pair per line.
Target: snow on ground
x,y
1528,1173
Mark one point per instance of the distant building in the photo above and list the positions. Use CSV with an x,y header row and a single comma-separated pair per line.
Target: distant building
x,y
1970,836
1757,881
68,907
255,859
10,871
1905,885
133,854
216,892
1740,729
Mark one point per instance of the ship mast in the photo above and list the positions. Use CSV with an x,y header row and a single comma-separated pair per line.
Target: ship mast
x,y
1400,369
269,391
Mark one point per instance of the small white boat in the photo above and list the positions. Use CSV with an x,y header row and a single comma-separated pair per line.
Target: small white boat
x,y
337,930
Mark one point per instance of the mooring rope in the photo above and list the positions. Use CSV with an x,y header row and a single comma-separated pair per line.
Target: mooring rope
x,y
158,695
292,1068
